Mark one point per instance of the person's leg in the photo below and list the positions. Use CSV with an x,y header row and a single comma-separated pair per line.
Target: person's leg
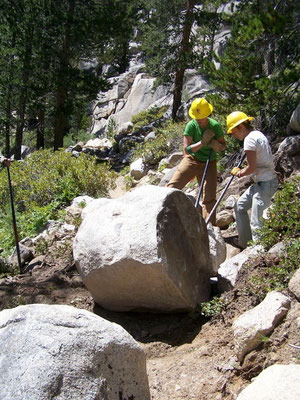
x,y
261,200
241,208
186,171
210,191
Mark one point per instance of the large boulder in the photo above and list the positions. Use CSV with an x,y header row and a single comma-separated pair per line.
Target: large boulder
x,y
61,352
147,250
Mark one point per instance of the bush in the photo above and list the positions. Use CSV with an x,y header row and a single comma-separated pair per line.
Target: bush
x,y
283,217
43,185
167,139
146,117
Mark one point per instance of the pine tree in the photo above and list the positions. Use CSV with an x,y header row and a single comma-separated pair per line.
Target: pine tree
x,y
259,68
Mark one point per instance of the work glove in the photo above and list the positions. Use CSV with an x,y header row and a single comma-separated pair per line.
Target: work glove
x,y
217,146
235,171
207,136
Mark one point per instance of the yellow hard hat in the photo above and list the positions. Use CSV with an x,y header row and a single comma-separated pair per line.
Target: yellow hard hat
x,y
200,109
236,118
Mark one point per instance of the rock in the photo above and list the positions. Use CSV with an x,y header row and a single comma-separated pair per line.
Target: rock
x,y
168,173
294,123
98,143
230,201
174,159
278,382
294,284
60,351
290,146
277,248
229,269
224,219
36,262
287,157
141,96
26,255
138,169
147,250
150,136
217,248
250,327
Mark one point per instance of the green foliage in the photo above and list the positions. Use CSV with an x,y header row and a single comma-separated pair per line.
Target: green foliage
x,y
283,217
210,308
277,274
112,129
165,142
146,117
45,183
213,307
259,67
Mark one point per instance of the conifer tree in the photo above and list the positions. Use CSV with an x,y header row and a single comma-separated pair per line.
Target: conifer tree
x,y
259,68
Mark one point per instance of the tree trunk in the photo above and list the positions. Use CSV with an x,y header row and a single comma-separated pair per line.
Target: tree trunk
x,y
61,117
40,133
184,49
23,95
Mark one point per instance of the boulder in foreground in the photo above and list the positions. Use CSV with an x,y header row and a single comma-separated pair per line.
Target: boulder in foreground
x,y
147,250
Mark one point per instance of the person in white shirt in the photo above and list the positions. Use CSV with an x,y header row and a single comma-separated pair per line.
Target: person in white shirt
x,y
260,165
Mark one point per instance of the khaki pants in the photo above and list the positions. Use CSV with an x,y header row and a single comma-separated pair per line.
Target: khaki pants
x,y
190,168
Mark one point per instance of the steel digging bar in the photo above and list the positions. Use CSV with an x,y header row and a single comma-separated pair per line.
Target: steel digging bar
x,y
224,191
203,178
14,221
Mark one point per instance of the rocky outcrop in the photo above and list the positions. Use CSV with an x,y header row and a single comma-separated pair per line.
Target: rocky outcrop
x,y
287,157
147,250
50,351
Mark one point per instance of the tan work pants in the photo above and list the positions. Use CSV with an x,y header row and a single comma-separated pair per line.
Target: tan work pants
x,y
190,168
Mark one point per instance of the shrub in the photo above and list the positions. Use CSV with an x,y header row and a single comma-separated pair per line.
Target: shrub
x,y
276,274
146,117
43,185
166,141
283,217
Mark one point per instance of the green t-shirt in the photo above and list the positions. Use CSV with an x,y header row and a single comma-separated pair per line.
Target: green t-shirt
x,y
193,129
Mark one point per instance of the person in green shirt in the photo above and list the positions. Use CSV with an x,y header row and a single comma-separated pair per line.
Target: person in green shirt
x,y
202,135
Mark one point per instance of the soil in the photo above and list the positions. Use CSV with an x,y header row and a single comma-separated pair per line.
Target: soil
x,y
188,356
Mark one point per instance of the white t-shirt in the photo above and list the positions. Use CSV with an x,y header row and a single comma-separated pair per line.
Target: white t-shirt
x,y
256,141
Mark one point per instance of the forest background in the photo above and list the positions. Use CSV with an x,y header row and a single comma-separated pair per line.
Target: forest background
x,y
45,93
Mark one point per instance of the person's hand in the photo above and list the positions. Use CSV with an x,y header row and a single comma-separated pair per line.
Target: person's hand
x,y
235,171
207,136
217,146
6,162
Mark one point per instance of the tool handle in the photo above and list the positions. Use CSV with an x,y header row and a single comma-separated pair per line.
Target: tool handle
x,y
14,221
224,191
203,178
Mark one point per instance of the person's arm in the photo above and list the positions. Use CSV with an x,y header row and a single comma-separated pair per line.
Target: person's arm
x,y
251,167
193,148
187,144
218,144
